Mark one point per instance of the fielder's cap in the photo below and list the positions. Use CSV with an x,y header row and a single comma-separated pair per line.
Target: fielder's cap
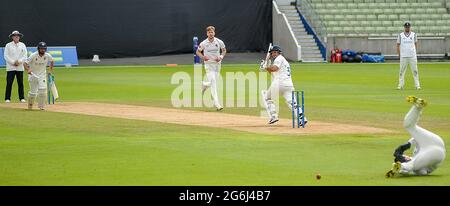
x,y
15,33
407,24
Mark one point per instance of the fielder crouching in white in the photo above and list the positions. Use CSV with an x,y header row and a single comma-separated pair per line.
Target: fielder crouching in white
x,y
281,83
36,67
212,58
429,150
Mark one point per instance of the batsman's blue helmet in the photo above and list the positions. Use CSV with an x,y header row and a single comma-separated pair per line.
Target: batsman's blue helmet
x,y
275,48
42,45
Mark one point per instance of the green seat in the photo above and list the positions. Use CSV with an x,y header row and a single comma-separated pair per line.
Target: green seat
x,y
401,1
398,23
358,1
436,4
335,30
361,17
419,23
327,17
377,11
416,17
319,6
333,23
341,6
404,17
348,30
371,17
430,22
350,17
441,10
354,23
370,29
386,23
393,30
441,23
375,23
352,6
365,11
330,6
365,23
343,23
393,5
399,11
369,1
362,5
435,29
382,17
392,17
339,17
404,5
431,11
411,1
381,30
435,16
388,11
359,30
390,1
410,11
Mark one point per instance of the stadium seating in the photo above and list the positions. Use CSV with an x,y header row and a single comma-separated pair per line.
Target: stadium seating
x,y
355,17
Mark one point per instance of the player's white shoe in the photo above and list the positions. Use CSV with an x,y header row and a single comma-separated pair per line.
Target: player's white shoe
x,y
399,88
418,88
23,100
7,101
219,108
273,120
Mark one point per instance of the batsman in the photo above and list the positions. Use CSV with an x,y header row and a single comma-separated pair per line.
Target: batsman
x,y
36,67
279,68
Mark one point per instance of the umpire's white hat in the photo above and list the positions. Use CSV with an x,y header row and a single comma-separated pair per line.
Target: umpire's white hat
x,y
15,33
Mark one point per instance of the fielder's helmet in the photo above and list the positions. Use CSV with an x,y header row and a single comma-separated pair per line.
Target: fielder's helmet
x,y
275,48
42,45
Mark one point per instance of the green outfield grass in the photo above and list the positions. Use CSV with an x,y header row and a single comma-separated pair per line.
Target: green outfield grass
x,y
45,148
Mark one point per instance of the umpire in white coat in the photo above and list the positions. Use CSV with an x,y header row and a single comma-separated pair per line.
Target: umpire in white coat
x,y
15,54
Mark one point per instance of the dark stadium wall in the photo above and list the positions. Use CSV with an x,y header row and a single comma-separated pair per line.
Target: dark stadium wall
x,y
133,28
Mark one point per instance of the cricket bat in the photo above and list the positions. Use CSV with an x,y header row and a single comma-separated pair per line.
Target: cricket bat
x,y
266,61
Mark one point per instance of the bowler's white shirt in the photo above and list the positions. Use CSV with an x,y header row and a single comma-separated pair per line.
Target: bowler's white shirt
x,y
211,49
283,75
407,44
15,52
38,64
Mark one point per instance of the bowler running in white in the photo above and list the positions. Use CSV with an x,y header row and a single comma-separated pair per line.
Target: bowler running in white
x,y
210,51
281,83
429,150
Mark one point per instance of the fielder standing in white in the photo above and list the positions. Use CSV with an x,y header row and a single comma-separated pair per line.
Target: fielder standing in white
x,y
406,49
212,58
281,83
36,66
429,150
